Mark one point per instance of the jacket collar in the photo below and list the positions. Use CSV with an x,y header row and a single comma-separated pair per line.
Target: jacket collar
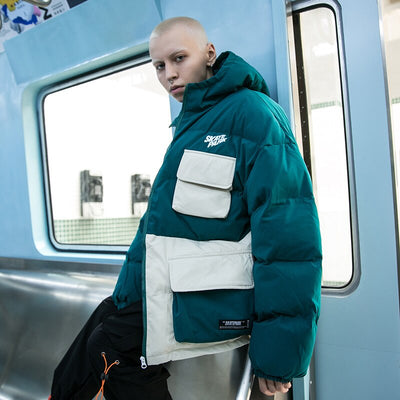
x,y
231,73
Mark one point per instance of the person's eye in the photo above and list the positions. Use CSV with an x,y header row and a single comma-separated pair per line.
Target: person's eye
x,y
159,67
179,58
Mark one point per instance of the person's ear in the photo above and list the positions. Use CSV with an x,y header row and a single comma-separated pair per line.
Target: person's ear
x,y
211,54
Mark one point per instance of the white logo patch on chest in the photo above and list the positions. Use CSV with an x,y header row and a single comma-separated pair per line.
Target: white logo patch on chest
x,y
215,140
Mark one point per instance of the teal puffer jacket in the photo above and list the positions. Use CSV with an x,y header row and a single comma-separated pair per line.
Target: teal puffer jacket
x,y
229,248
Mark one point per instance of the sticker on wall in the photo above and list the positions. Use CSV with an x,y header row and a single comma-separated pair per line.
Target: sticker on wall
x,y
17,16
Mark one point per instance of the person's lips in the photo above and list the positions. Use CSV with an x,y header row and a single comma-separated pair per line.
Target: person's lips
x,y
176,89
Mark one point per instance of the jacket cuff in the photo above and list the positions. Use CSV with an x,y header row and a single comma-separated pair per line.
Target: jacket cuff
x,y
260,374
278,351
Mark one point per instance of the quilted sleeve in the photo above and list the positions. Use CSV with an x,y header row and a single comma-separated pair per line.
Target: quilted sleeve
x,y
286,248
129,288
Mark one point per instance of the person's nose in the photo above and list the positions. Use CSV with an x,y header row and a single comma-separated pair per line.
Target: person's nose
x,y
170,73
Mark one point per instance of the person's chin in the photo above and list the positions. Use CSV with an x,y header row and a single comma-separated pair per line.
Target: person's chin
x,y
178,97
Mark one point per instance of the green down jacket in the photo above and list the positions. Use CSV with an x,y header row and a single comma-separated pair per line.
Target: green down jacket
x,y
229,248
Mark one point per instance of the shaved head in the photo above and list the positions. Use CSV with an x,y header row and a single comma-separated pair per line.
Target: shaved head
x,y
190,25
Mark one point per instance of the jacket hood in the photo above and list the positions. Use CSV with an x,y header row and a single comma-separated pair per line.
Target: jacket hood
x,y
231,73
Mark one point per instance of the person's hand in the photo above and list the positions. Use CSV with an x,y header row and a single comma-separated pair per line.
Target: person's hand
x,y
269,387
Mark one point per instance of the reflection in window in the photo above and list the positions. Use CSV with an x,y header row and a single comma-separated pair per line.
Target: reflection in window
x,y
105,140
320,131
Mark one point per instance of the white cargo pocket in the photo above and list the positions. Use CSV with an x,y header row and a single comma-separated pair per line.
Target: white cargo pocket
x,y
210,272
204,183
213,298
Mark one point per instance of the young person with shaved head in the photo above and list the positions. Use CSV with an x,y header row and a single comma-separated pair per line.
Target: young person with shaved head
x,y
228,252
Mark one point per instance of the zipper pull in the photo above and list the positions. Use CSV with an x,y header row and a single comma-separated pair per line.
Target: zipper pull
x,y
143,362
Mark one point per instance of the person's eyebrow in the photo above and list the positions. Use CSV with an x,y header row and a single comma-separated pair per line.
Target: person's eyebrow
x,y
174,53
171,55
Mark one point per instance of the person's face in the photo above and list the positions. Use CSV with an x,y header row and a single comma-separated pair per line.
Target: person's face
x,y
180,58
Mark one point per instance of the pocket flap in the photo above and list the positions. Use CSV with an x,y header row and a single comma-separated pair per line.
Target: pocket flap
x,y
209,272
207,169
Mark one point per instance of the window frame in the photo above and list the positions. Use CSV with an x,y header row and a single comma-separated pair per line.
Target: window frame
x,y
136,61
299,6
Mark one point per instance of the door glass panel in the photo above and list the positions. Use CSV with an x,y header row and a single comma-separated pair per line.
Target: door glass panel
x,y
391,35
320,131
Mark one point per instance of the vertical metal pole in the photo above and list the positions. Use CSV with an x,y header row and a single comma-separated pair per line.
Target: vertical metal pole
x,y
305,127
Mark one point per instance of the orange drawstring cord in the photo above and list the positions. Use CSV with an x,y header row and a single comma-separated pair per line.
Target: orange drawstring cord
x,y
104,375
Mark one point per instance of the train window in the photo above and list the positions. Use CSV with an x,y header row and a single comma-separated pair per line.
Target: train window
x,y
320,131
103,148
391,36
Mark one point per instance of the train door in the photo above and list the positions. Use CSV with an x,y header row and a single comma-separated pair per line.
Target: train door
x,y
342,126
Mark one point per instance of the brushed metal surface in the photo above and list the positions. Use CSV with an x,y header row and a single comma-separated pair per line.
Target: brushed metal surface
x,y
44,304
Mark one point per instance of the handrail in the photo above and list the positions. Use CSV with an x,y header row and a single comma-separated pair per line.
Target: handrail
x,y
246,381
